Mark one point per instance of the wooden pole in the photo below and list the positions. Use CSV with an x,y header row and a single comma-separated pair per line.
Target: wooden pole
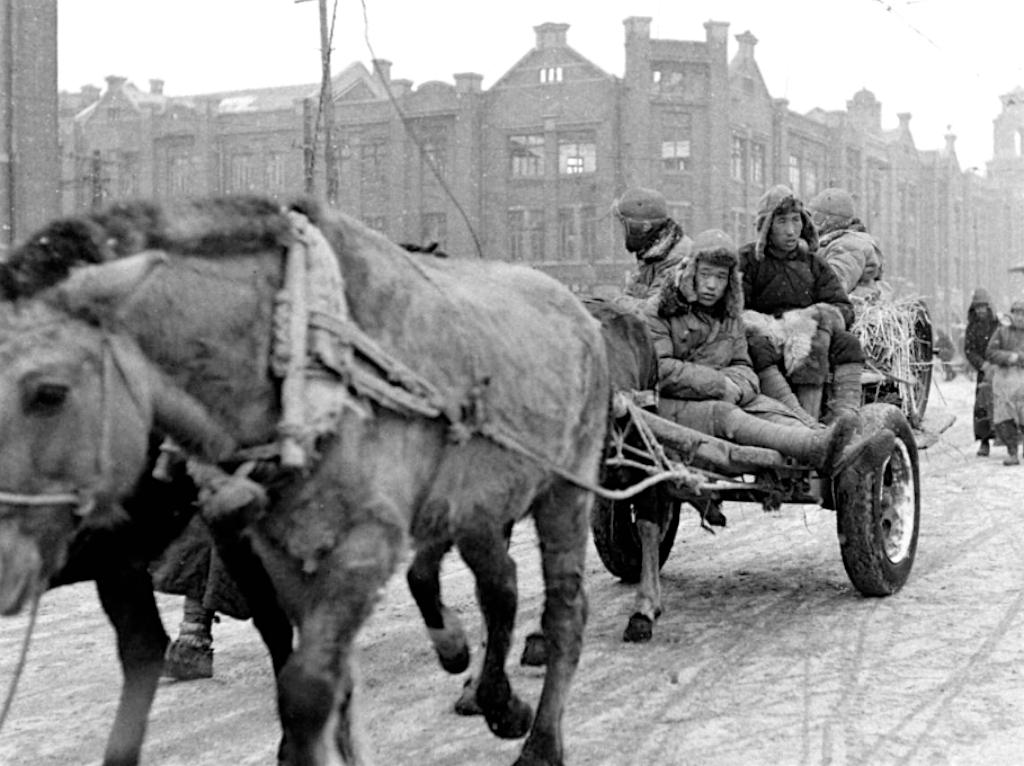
x,y
327,106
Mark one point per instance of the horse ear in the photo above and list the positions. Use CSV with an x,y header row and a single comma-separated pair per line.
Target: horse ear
x,y
113,282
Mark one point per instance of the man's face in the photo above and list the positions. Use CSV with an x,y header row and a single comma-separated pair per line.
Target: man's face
x,y
786,228
712,282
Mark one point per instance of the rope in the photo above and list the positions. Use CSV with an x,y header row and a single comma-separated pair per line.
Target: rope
x,y
22,658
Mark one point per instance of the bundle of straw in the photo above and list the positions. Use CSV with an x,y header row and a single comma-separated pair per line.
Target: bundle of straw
x,y
886,330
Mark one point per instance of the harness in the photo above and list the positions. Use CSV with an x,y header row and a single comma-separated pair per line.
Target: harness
x,y
83,500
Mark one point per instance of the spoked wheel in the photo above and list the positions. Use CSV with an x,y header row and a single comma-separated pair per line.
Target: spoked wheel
x,y
878,508
615,536
915,391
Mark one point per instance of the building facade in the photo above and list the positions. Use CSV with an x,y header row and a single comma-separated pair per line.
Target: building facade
x,y
29,154
527,169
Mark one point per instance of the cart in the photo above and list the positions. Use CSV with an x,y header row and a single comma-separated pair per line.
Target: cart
x,y
876,499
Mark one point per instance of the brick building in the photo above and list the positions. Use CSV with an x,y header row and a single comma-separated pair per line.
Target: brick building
x,y
526,170
29,164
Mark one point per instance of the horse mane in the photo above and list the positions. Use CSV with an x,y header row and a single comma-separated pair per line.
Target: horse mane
x,y
205,227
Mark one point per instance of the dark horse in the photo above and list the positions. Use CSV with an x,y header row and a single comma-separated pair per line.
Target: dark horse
x,y
495,404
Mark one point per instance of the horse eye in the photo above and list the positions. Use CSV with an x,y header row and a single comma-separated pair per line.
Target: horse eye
x,y
46,398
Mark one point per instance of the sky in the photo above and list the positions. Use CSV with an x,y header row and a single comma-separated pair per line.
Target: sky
x,y
946,62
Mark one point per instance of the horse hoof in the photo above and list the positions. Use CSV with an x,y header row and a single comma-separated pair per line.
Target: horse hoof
x,y
535,651
639,630
455,662
187,660
513,722
466,704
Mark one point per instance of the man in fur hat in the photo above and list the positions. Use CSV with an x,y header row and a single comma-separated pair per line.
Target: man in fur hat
x,y
1005,358
658,242
846,246
782,272
705,376
981,324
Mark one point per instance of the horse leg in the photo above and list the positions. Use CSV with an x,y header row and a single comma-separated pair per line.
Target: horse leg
x,y
315,687
126,595
482,545
443,625
561,517
648,595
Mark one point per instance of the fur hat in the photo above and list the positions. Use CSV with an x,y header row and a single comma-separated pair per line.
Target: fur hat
x,y
713,246
981,296
834,201
640,204
781,199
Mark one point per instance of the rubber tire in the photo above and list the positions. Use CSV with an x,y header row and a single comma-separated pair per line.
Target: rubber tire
x,y
862,524
615,537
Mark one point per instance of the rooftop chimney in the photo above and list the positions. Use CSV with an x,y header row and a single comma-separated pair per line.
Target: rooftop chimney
x,y
747,42
90,93
115,82
382,68
638,26
468,82
551,35
156,87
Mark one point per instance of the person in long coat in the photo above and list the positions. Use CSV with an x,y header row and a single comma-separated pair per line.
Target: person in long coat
x,y
981,324
1005,358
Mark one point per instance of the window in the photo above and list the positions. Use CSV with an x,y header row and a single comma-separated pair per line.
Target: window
x,y
551,74
874,199
526,234
794,173
737,157
738,225
810,178
243,173
373,156
577,153
433,140
434,228
568,234
757,163
588,233
275,174
180,181
128,174
853,171
675,156
526,155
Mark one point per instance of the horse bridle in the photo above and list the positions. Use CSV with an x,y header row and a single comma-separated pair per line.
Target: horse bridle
x,y
83,501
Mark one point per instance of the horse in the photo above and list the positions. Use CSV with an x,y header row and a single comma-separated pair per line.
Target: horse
x,y
465,396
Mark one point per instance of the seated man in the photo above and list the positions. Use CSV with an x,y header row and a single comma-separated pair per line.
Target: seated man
x,y
781,272
705,376
845,244
657,241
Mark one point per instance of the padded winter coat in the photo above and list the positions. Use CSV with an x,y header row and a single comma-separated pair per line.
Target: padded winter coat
x,y
775,284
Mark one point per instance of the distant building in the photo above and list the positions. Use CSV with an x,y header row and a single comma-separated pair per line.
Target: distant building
x,y
527,169
29,154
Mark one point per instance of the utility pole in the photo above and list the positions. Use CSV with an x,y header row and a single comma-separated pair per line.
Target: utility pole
x,y
327,104
311,124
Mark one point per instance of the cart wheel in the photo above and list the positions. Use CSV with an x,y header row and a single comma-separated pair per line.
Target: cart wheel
x,y
916,394
879,509
615,537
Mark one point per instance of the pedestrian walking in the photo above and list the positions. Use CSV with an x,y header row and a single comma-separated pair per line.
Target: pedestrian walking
x,y
981,324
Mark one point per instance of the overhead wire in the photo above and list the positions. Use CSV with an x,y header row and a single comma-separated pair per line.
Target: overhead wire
x,y
407,125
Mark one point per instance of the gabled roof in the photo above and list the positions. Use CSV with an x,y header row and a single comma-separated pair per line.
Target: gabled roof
x,y
565,56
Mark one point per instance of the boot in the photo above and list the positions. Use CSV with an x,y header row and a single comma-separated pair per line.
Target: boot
x,y
845,391
775,385
819,448
983,449
1007,429
190,655
810,399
